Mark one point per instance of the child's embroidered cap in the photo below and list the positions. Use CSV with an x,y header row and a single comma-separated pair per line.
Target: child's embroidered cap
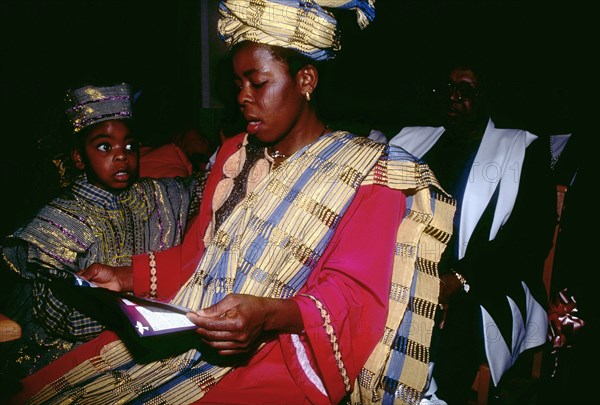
x,y
89,105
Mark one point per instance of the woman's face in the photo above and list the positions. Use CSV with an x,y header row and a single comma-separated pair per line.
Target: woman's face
x,y
270,99
110,155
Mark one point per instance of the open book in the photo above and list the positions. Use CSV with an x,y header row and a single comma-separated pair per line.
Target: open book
x,y
147,317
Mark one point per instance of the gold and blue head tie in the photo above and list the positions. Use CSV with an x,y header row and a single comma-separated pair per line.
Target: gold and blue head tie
x,y
89,105
302,25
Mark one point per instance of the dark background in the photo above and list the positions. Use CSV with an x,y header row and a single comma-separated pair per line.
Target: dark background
x,y
539,53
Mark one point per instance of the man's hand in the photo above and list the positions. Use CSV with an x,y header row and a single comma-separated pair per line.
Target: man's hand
x,y
449,285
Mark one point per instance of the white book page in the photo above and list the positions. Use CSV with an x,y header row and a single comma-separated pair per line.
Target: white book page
x,y
160,319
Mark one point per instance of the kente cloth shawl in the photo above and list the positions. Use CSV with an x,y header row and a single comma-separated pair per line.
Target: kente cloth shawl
x,y
269,246
497,168
86,225
302,25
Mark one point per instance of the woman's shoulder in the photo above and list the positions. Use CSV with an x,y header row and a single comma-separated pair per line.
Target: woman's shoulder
x,y
398,153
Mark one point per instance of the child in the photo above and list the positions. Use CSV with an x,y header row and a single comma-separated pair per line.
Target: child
x,y
106,215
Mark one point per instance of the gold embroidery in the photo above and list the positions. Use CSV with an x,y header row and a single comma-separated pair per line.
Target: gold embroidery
x,y
438,234
351,177
365,378
417,351
333,339
221,240
203,381
99,364
427,266
423,308
153,276
418,216
405,249
388,336
406,394
399,293
60,384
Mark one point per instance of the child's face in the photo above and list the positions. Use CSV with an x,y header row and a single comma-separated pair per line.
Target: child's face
x,y
110,155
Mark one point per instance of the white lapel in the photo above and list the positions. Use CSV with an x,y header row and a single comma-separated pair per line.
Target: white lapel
x,y
417,140
500,156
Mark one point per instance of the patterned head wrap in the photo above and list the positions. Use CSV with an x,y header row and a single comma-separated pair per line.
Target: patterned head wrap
x,y
302,25
89,105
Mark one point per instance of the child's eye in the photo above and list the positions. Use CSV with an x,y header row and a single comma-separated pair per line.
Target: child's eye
x,y
258,85
103,147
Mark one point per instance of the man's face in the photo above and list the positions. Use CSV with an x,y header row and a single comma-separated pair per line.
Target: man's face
x,y
463,100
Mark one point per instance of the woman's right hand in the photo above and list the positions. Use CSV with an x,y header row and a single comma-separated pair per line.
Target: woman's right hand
x,y
110,277
235,324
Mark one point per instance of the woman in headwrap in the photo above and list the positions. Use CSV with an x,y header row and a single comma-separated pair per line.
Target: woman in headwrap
x,y
311,269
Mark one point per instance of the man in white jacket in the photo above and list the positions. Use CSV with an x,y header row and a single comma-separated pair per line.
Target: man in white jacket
x,y
492,270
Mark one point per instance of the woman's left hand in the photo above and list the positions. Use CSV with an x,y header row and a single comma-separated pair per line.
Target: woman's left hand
x,y
233,325
113,278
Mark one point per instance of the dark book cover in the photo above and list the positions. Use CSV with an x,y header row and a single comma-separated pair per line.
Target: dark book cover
x,y
117,309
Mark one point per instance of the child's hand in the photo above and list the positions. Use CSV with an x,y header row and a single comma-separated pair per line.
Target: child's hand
x,y
112,278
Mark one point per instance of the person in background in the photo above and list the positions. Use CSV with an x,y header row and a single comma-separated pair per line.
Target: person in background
x,y
173,143
229,126
167,160
573,314
104,214
491,273
195,146
311,270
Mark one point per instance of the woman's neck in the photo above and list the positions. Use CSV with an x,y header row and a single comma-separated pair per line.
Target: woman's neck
x,y
299,138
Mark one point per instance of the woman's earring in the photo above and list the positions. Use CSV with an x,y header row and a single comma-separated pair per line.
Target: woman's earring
x,y
307,94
